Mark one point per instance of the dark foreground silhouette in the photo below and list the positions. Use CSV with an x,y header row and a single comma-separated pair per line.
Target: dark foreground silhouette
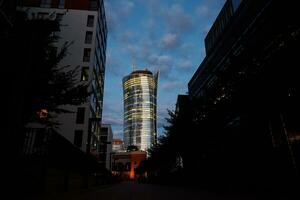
x,y
138,191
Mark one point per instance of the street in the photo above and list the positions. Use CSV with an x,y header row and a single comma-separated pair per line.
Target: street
x,y
136,191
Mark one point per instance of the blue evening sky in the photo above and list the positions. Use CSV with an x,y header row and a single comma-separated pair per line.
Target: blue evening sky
x,y
164,35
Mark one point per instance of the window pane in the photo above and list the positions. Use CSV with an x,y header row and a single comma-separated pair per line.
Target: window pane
x,y
84,73
80,115
88,37
86,55
90,21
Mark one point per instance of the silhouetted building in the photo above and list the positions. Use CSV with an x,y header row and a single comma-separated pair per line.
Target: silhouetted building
x,y
247,84
84,23
140,93
224,32
183,104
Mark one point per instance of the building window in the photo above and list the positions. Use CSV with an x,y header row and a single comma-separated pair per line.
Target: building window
x,y
86,55
61,4
78,138
46,3
88,37
103,131
80,115
90,21
84,74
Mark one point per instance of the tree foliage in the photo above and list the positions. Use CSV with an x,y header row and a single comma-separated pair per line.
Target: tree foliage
x,y
48,85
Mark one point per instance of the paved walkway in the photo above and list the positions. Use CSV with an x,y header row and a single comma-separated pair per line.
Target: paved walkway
x,y
135,191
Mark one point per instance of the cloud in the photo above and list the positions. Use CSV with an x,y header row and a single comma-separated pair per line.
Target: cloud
x,y
118,134
153,8
169,40
133,49
185,64
163,35
163,63
162,115
113,64
169,86
202,11
112,121
125,7
127,36
178,20
112,107
117,11
149,24
111,18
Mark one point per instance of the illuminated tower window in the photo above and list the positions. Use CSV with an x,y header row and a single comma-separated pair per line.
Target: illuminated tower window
x,y
140,92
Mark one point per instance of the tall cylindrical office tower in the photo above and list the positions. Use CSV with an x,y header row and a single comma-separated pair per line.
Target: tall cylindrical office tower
x,y
140,92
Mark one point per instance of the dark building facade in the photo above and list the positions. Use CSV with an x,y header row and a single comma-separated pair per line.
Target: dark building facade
x,y
68,154
247,84
84,23
63,4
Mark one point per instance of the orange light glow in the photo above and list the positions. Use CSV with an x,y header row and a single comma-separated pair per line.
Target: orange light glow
x,y
43,113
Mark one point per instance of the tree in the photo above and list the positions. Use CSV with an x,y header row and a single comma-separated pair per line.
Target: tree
x,y
48,85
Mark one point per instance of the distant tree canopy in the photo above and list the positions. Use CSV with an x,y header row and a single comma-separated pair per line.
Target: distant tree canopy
x,y
48,85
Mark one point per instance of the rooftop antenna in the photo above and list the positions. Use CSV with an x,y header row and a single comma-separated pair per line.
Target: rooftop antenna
x,y
133,64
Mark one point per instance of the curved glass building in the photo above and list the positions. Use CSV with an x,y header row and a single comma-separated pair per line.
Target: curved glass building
x,y
140,92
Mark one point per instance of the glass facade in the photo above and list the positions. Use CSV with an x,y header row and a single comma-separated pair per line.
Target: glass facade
x,y
140,92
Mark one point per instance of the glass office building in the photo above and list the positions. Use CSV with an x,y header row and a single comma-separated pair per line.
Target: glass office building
x,y
140,93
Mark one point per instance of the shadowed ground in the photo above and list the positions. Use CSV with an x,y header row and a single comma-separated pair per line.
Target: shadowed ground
x,y
135,191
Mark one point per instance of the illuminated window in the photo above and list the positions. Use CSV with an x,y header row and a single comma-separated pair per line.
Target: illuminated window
x,y
84,74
